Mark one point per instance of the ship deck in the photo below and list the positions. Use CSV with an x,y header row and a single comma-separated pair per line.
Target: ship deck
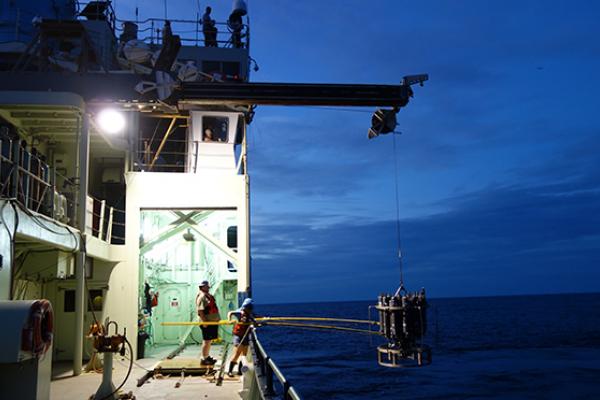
x,y
66,386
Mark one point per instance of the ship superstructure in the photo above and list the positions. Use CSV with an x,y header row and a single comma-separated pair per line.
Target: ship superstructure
x,y
93,214
124,175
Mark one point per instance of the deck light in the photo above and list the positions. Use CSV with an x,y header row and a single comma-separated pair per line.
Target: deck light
x,y
111,121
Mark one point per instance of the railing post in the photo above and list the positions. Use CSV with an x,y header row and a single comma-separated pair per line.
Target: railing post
x,y
196,156
26,178
109,227
16,150
269,391
261,363
197,25
2,175
101,228
48,186
152,32
17,24
52,191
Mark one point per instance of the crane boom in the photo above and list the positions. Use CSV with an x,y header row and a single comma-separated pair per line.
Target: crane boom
x,y
298,94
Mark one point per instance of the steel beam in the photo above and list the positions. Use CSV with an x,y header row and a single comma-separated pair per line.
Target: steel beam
x,y
290,94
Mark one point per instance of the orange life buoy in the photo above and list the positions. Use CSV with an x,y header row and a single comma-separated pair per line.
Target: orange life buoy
x,y
37,336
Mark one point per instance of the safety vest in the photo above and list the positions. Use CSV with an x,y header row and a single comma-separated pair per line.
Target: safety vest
x,y
211,308
240,329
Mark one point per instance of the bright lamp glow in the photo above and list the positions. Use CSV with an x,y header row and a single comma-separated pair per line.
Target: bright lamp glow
x,y
111,121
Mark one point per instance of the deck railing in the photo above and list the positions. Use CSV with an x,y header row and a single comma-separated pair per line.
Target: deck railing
x,y
266,370
101,221
102,10
27,178
176,155
171,158
190,32
150,30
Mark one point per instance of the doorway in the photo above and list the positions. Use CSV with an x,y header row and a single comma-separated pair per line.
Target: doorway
x,y
179,249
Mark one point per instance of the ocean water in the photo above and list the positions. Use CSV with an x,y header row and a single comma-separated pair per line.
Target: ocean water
x,y
519,347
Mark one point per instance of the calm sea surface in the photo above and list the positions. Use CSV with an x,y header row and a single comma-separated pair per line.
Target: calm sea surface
x,y
521,347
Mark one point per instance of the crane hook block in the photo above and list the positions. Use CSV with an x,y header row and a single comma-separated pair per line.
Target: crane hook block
x,y
403,322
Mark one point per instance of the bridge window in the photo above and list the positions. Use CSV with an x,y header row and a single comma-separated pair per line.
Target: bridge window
x,y
215,129
227,70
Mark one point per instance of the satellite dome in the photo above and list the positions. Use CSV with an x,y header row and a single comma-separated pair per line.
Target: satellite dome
x,y
240,7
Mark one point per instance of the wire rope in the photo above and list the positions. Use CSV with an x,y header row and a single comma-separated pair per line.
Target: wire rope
x,y
356,321
396,167
329,327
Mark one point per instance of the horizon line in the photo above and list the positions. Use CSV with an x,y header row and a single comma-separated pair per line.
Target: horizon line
x,y
441,298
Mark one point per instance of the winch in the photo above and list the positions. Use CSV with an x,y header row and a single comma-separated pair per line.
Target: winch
x,y
105,343
108,344
403,322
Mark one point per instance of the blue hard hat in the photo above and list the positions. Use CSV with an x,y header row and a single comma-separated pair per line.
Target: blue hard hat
x,y
247,302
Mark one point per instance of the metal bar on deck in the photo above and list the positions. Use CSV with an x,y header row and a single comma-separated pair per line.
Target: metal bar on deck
x,y
162,143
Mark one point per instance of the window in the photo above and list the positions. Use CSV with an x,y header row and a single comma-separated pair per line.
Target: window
x,y
231,267
69,305
227,70
211,67
231,69
232,237
215,129
95,296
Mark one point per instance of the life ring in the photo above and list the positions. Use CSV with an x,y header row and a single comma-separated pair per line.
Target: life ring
x,y
37,336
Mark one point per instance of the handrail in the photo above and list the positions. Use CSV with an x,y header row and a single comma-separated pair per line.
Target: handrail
x,y
26,177
103,230
267,368
155,26
109,13
173,159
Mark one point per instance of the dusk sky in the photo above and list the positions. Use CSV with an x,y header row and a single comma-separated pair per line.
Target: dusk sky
x,y
499,156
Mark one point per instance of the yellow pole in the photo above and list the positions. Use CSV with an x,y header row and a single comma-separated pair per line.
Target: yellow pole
x,y
199,323
269,319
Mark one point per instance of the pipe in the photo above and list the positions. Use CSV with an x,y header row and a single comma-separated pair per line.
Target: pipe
x,y
84,148
247,239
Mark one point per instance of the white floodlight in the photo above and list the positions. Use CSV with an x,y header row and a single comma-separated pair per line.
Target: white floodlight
x,y
111,121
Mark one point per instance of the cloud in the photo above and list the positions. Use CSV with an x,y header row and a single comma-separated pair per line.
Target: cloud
x,y
500,240
498,156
